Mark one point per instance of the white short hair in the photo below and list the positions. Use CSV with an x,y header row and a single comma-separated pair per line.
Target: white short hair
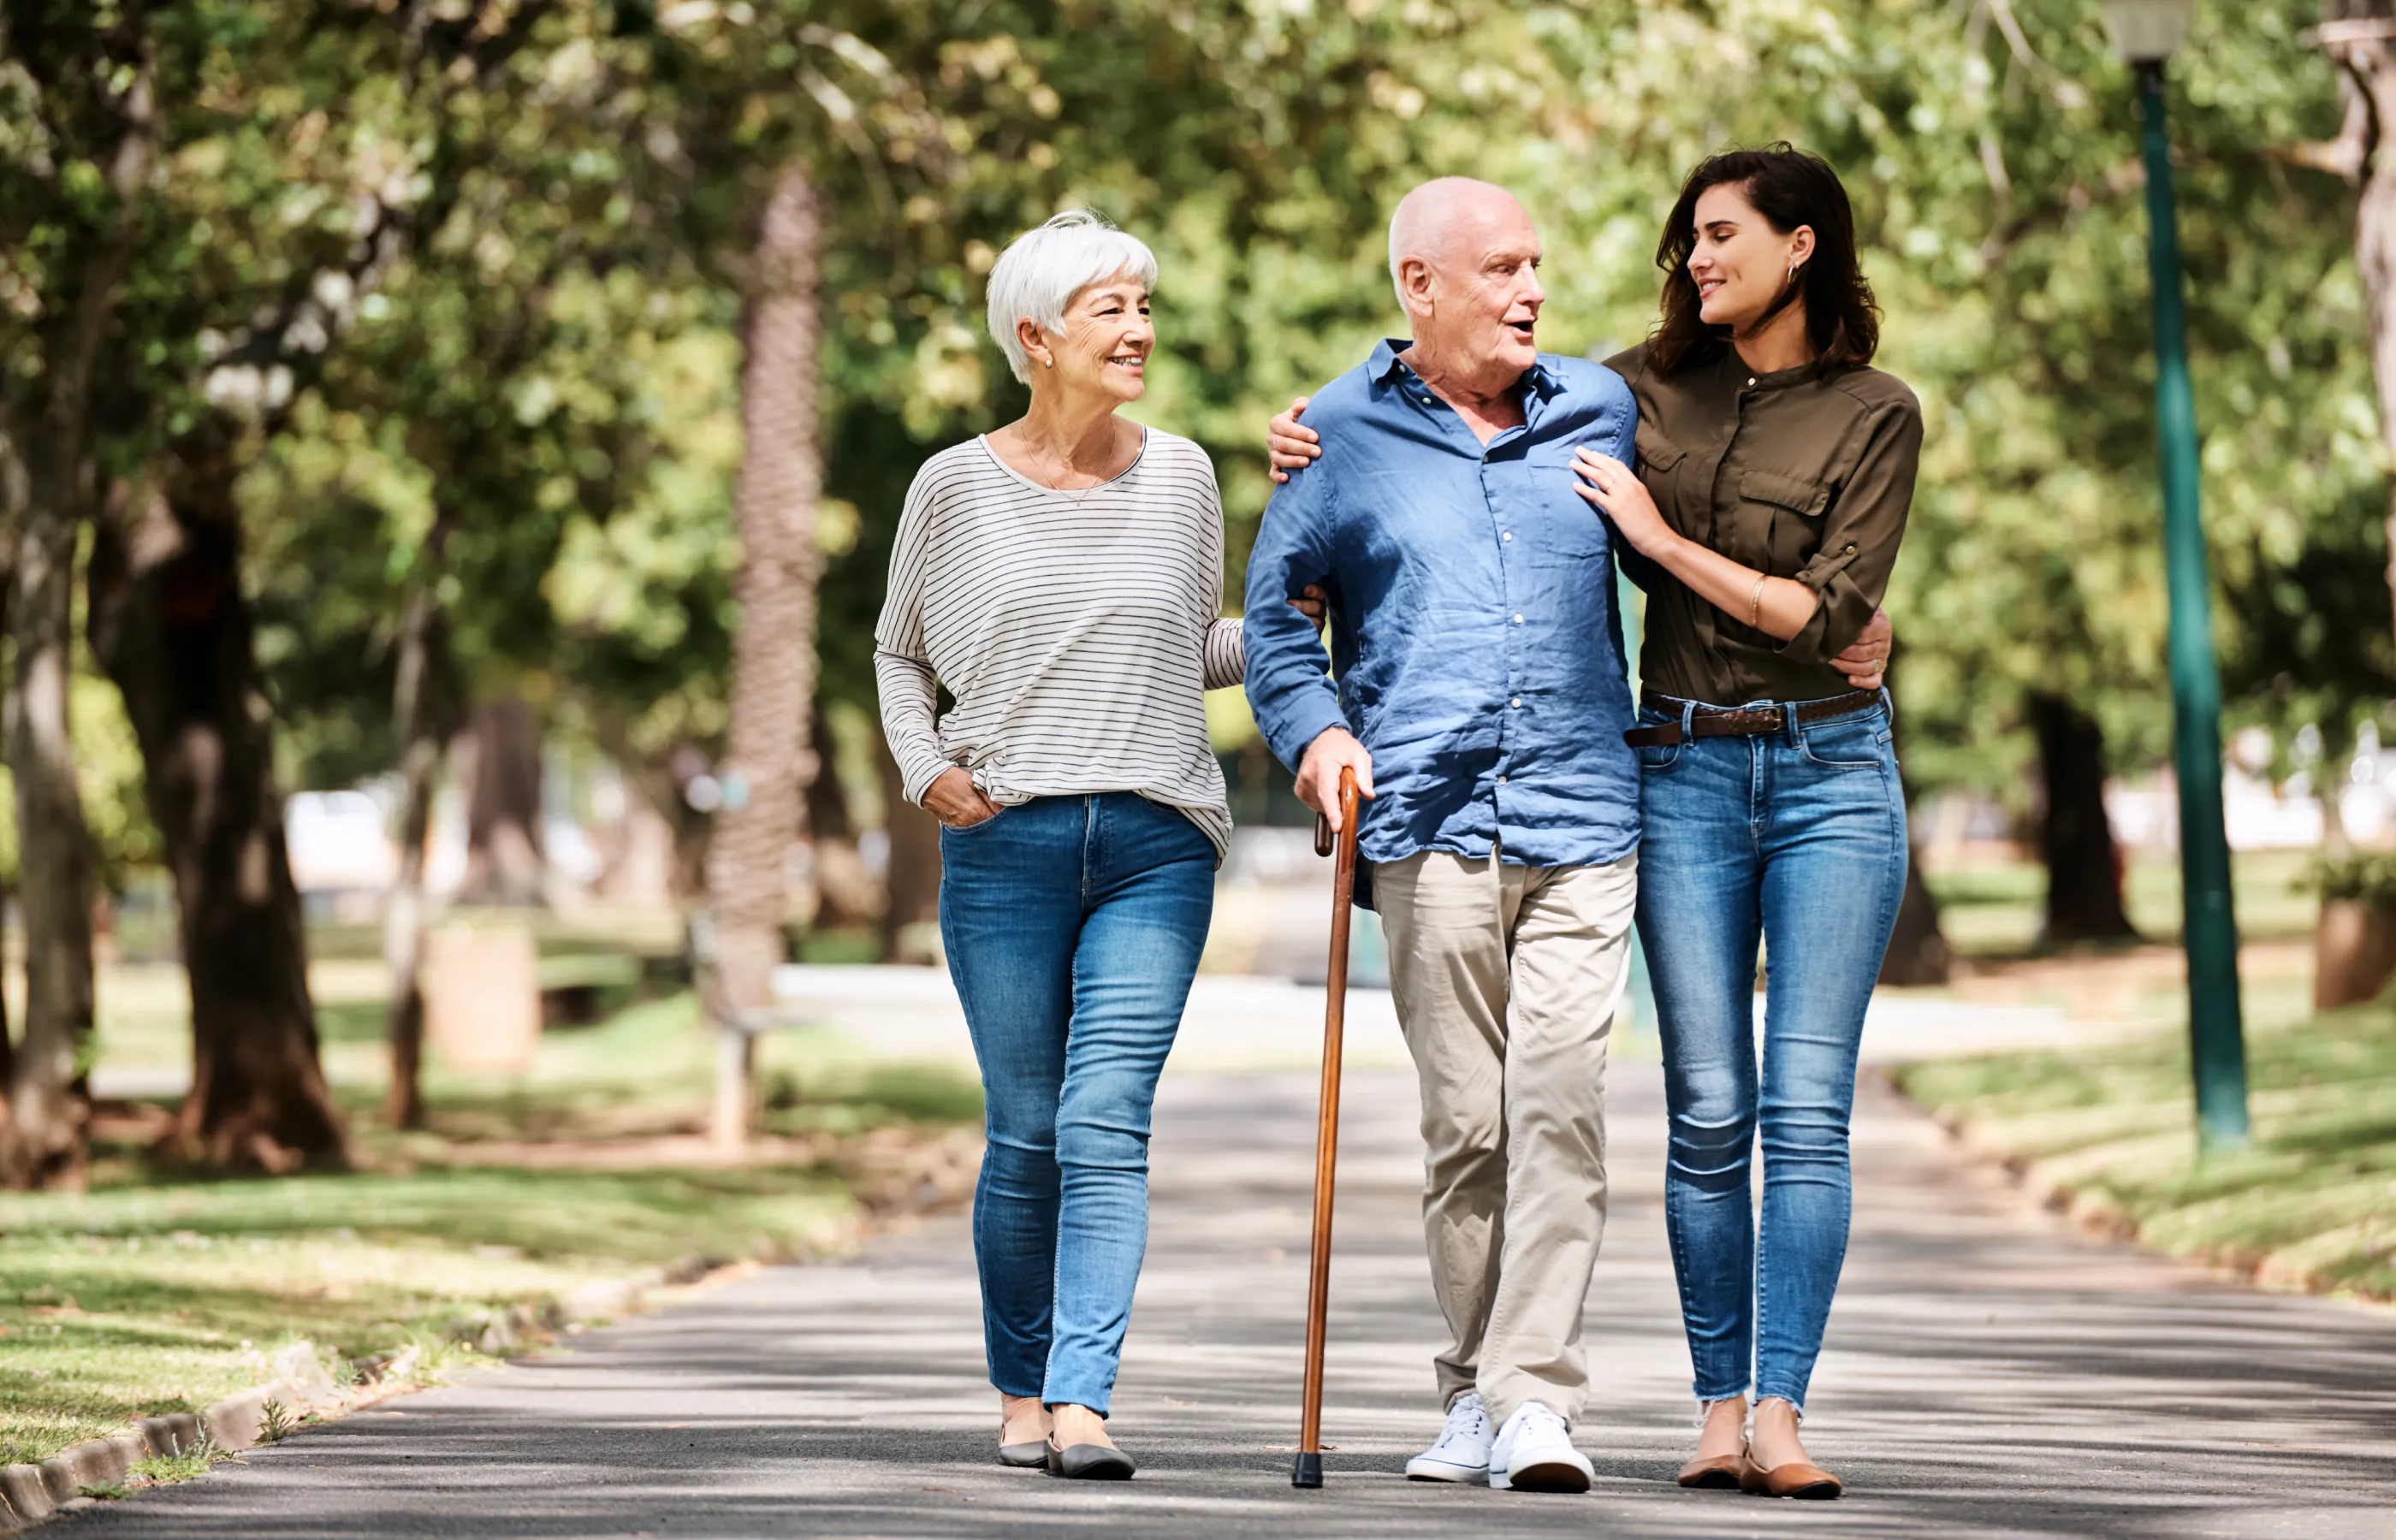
x,y
1042,269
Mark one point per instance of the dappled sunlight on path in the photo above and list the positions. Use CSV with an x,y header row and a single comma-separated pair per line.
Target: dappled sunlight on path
x,y
1991,1375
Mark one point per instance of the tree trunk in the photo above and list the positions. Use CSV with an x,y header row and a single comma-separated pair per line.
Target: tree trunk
x,y
505,863
912,878
51,425
768,765
826,799
846,894
2328,777
422,719
170,624
403,935
660,782
2359,36
13,493
1917,948
2083,865
44,1144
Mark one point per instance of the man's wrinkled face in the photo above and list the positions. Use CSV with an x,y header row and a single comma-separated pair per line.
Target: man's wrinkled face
x,y
1483,284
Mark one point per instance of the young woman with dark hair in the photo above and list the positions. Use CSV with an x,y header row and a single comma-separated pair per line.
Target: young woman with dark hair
x,y
1776,468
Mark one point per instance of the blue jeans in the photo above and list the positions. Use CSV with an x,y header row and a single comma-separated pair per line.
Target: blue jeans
x,y
1072,926
1796,838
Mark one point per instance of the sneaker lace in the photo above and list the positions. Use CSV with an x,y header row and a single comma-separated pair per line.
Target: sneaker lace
x,y
1538,1413
1465,1419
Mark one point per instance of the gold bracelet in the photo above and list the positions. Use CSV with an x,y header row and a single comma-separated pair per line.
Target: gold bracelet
x,y
1755,600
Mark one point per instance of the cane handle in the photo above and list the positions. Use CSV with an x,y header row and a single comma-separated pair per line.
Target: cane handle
x,y
1323,839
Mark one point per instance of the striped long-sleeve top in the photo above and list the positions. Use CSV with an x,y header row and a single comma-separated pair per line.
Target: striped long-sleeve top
x,y
1078,631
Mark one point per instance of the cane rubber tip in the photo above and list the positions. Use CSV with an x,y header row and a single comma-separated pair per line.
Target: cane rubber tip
x,y
1308,1473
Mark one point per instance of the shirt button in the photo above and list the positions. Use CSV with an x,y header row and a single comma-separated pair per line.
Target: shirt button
x,y
1501,780
1507,535
1751,379
1516,703
1518,619
1851,551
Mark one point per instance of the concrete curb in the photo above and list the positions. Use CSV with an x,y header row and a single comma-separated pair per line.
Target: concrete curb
x,y
2093,1214
30,1493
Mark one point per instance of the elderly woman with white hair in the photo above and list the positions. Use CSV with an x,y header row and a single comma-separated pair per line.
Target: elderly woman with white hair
x,y
1062,578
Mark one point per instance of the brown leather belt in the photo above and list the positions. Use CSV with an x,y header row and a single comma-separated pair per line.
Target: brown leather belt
x,y
1752,722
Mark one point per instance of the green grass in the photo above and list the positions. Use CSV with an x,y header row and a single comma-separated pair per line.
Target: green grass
x,y
649,1070
156,1292
167,1470
2311,1205
1994,910
146,1299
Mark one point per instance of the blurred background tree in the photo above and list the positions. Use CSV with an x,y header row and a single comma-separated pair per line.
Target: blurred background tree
x,y
415,383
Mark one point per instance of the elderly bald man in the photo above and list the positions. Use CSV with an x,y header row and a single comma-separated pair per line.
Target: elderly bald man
x,y
1481,700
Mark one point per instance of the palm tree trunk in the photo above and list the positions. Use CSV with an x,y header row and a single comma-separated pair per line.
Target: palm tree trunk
x,y
768,764
2359,36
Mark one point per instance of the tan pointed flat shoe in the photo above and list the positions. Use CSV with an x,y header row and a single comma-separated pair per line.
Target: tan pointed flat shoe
x,y
1797,1479
1719,1473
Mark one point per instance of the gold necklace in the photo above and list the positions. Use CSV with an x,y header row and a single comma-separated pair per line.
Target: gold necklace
x,y
1074,494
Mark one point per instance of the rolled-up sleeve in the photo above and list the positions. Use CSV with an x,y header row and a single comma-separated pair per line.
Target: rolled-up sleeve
x,y
1861,532
1226,659
1289,687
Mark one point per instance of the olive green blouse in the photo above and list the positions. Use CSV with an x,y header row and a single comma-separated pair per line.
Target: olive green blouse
x,y
1797,475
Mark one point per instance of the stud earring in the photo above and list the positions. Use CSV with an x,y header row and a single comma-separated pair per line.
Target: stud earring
x,y
1052,363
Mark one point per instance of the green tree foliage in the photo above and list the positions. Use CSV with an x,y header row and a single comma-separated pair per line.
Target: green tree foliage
x,y
1990,151
444,298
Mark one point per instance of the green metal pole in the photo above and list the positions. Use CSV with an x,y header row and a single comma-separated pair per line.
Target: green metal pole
x,y
2209,926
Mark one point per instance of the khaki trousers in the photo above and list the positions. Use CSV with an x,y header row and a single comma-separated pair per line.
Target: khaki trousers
x,y
1505,980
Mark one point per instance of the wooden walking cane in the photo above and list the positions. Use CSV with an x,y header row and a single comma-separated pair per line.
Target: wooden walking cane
x,y
1326,1127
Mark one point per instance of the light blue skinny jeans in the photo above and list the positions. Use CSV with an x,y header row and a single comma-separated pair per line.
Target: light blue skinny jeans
x,y
1796,838
1072,928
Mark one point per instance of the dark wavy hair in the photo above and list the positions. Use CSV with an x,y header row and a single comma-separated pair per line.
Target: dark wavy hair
x,y
1790,188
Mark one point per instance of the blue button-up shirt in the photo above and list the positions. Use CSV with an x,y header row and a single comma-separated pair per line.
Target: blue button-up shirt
x,y
1474,636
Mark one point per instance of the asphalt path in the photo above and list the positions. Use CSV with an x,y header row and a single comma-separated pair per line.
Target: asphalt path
x,y
1989,1374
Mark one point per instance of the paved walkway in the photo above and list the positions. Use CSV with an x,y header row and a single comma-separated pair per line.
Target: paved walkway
x,y
1989,1375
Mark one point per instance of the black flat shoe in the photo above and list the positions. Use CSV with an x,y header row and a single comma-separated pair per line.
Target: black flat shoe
x,y
1024,1457
1090,1463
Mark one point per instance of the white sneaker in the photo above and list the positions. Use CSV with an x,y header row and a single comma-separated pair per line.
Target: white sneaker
x,y
1462,1453
1533,1453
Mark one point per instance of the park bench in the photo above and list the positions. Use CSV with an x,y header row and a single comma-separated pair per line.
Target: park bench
x,y
734,1109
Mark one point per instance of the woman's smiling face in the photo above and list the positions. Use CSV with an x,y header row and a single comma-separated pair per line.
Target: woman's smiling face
x,y
1741,263
1104,345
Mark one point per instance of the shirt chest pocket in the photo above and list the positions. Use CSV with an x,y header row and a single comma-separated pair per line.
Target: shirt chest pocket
x,y
1553,527
1789,511
1659,469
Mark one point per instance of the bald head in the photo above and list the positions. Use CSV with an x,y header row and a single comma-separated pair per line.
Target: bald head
x,y
1465,261
1447,219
